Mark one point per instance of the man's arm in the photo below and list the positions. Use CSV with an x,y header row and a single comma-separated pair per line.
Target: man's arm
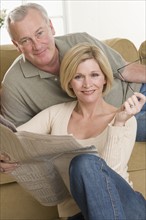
x,y
135,72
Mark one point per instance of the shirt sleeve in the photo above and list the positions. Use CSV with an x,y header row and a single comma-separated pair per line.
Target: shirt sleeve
x,y
13,106
39,124
119,146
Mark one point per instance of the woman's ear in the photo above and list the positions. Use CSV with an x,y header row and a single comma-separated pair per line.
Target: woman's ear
x,y
104,84
105,80
70,86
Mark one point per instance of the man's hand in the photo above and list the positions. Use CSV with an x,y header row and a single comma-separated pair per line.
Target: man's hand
x,y
134,72
6,166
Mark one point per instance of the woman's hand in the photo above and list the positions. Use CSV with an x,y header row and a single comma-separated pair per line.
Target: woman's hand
x,y
132,106
6,166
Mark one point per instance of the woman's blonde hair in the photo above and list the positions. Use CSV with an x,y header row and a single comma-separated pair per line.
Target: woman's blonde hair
x,y
78,54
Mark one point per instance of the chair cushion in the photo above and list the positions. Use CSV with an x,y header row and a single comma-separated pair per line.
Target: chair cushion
x,y
142,52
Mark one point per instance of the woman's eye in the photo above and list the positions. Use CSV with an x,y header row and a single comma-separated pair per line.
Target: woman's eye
x,y
95,75
78,77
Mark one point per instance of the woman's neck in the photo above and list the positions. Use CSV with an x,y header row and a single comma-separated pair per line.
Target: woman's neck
x,y
90,110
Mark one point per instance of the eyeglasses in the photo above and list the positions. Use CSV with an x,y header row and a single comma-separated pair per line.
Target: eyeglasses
x,y
118,70
40,35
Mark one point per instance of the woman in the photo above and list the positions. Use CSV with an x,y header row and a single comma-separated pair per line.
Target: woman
x,y
98,191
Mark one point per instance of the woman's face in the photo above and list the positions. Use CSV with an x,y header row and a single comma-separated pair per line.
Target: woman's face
x,y
88,81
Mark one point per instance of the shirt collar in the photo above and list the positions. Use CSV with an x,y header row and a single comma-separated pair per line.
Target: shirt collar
x,y
30,70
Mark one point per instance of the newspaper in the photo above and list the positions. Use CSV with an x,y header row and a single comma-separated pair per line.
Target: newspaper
x,y
44,162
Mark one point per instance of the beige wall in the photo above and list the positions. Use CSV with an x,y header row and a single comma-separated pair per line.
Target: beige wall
x,y
108,18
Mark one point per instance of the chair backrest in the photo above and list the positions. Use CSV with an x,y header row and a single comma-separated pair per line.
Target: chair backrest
x,y
125,47
142,52
8,53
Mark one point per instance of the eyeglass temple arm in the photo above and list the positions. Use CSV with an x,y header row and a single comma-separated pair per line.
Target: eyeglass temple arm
x,y
140,59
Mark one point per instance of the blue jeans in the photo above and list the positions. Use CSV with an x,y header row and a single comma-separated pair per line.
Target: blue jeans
x,y
141,119
101,193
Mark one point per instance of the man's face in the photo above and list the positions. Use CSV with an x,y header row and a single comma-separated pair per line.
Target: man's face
x,y
34,37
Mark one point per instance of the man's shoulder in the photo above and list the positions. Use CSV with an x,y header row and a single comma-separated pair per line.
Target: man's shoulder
x,y
75,37
71,35
19,70
13,71
65,42
15,63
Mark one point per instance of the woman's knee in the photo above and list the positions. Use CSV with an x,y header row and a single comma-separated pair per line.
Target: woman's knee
x,y
83,162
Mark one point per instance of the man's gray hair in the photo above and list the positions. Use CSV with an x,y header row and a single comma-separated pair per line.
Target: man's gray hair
x,y
18,13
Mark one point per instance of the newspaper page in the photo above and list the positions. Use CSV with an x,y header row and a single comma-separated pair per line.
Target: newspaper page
x,y
40,157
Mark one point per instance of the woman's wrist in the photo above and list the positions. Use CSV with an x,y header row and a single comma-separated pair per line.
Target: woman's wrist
x,y
118,124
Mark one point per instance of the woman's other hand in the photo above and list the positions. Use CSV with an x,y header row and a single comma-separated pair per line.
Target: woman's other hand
x,y
6,165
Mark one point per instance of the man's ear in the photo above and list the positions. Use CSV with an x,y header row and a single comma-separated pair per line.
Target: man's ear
x,y
16,45
52,27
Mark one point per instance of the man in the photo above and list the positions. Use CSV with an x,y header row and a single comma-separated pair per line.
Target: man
x,y
32,82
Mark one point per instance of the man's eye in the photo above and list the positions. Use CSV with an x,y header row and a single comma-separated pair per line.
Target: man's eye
x,y
25,41
40,34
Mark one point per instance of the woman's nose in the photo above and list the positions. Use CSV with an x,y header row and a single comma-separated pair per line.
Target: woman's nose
x,y
87,82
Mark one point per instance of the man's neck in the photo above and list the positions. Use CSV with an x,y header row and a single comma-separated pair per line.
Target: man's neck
x,y
54,69
54,66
